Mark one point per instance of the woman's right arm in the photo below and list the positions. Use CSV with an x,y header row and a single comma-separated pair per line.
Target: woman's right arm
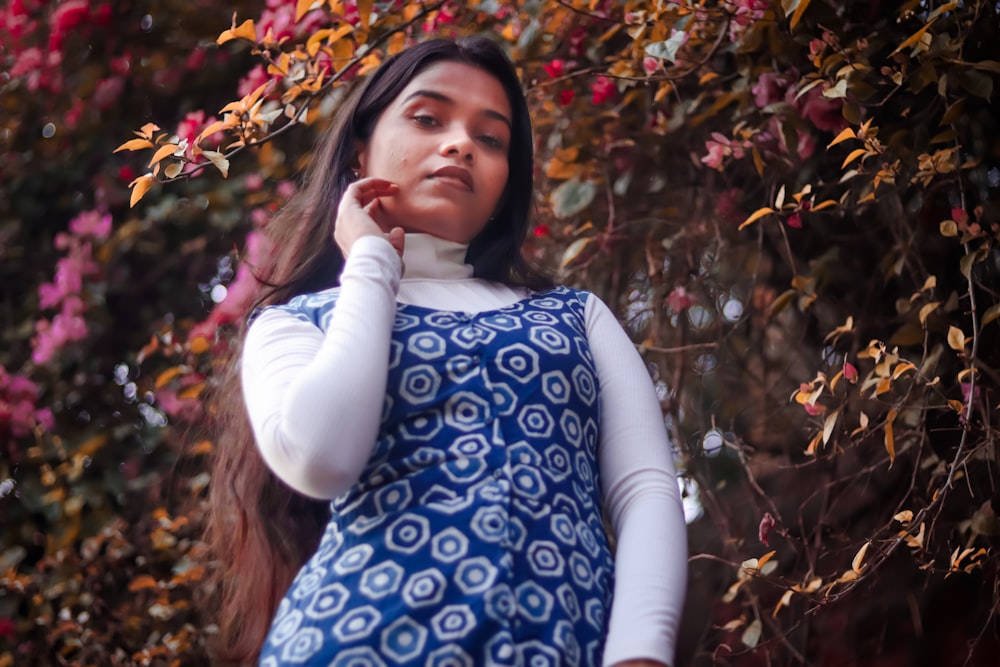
x,y
314,399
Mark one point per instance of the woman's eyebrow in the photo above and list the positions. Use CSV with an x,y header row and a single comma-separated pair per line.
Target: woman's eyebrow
x,y
434,95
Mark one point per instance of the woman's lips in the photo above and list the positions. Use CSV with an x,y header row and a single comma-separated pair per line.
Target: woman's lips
x,y
455,176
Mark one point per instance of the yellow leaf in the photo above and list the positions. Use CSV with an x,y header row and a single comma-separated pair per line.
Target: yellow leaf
x,y
904,517
890,439
365,13
134,145
797,15
211,129
173,170
766,557
853,155
246,31
396,43
902,368
202,447
574,250
859,558
824,204
884,385
756,215
142,582
992,313
301,7
957,406
758,161
706,77
966,372
828,425
956,339
162,152
166,376
948,228
219,160
785,600
912,39
199,345
140,187
147,130
811,449
927,310
191,392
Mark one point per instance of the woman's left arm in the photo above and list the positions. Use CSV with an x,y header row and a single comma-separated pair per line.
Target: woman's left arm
x,y
641,498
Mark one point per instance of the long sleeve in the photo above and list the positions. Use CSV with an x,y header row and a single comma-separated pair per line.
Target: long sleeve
x,y
315,399
641,497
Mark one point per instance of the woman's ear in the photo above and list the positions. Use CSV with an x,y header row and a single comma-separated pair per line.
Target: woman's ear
x,y
360,161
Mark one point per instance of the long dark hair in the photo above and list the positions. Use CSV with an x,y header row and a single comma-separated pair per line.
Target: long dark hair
x,y
259,531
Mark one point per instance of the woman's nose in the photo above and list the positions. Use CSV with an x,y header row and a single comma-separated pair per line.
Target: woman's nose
x,y
459,144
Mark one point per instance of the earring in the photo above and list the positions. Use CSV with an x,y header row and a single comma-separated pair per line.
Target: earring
x,y
355,175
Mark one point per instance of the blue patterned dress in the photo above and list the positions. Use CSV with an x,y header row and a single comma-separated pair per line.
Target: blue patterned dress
x,y
474,534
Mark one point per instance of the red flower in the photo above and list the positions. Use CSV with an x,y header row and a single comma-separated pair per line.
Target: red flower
x,y
566,97
554,68
850,372
764,529
794,221
68,16
542,231
602,90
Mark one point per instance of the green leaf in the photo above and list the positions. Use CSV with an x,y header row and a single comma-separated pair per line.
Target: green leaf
x,y
667,50
572,197
977,83
992,313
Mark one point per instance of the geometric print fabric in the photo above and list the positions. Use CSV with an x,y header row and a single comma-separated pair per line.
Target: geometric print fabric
x,y
474,535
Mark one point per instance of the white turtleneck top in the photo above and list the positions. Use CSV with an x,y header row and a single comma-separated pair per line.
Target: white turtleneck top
x,y
301,384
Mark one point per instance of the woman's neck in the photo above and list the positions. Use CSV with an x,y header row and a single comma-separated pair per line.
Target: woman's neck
x,y
427,257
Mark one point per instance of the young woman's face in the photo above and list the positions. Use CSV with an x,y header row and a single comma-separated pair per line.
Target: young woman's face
x,y
444,142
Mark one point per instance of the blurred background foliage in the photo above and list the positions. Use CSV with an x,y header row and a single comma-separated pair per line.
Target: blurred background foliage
x,y
793,206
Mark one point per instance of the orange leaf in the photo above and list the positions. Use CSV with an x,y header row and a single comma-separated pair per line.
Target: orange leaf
x,y
797,15
824,204
301,7
859,558
142,582
956,339
163,151
845,134
134,145
210,130
756,215
168,375
199,345
890,438
191,392
854,155
912,39
140,187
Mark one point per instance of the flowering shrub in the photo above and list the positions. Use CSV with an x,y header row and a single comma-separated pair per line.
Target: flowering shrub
x,y
793,206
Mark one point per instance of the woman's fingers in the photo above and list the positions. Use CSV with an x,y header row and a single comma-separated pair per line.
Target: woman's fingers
x,y
358,212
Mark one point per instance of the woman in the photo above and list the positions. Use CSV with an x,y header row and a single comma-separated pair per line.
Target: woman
x,y
468,421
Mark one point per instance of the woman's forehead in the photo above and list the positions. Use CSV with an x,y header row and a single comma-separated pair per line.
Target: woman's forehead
x,y
460,83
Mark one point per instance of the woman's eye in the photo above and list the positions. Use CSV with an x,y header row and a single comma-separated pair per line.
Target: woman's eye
x,y
491,141
426,121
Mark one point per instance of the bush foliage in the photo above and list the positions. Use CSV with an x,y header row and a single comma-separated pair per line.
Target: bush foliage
x,y
793,205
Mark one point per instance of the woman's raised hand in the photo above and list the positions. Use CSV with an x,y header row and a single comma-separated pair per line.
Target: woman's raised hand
x,y
358,214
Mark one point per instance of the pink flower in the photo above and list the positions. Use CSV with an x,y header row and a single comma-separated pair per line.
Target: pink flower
x,y
602,90
196,60
554,68
650,64
824,114
719,147
68,16
770,88
794,221
765,527
253,80
679,300
850,372
91,223
253,182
